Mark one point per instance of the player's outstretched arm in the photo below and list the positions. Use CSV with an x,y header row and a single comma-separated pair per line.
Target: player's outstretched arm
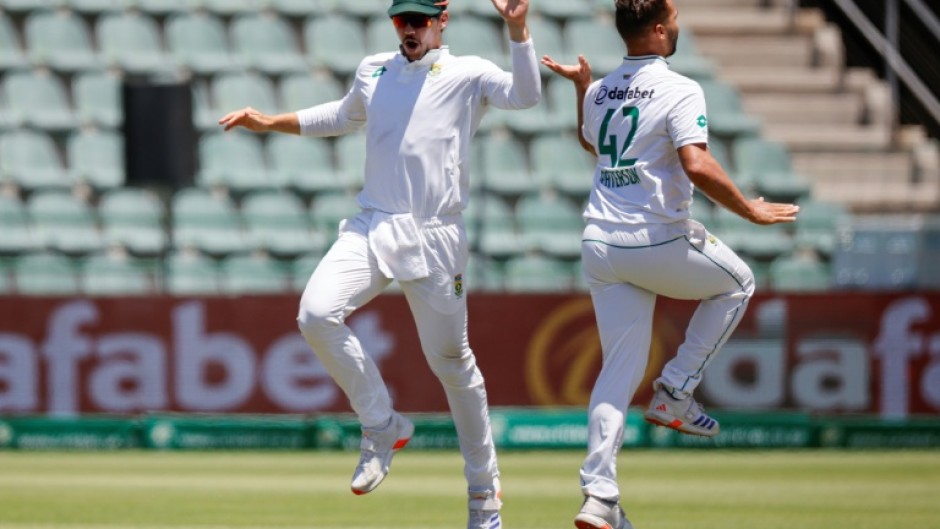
x,y
580,75
706,173
257,121
514,13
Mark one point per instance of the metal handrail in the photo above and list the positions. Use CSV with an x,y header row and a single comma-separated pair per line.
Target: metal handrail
x,y
896,63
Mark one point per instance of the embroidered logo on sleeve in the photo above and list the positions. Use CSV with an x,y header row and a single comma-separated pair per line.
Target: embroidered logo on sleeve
x,y
458,286
702,121
379,72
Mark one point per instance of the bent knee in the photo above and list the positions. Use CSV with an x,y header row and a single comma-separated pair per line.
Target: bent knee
x,y
313,319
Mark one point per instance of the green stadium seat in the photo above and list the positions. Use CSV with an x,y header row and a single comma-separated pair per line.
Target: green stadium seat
x,y
351,160
505,169
537,273
550,224
483,274
39,99
30,160
381,35
767,164
278,223
300,8
304,164
598,41
719,151
268,44
198,40
550,42
563,10
233,7
327,210
471,35
760,242
131,41
362,8
799,274
234,160
115,275
25,6
60,40
45,275
321,33
207,222
491,226
134,218
702,210
687,61
818,225
234,91
16,237
561,160
96,7
562,102
97,158
300,91
11,54
205,116
98,99
190,273
302,268
250,274
726,116
167,7
64,223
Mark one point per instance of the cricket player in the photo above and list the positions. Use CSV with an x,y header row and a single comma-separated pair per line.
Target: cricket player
x,y
419,106
648,128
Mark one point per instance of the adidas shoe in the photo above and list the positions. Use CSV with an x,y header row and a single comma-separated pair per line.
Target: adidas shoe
x,y
684,415
377,448
484,509
601,514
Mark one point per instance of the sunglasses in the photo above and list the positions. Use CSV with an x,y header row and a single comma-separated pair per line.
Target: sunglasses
x,y
414,20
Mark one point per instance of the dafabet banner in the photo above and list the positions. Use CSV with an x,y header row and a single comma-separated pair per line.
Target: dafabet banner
x,y
873,353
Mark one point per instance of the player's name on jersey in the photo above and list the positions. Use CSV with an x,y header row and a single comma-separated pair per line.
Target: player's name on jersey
x,y
621,94
619,177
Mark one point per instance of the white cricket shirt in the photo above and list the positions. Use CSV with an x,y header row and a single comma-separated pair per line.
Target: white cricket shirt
x,y
419,119
636,118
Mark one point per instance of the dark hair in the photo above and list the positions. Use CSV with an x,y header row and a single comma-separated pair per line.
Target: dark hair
x,y
635,16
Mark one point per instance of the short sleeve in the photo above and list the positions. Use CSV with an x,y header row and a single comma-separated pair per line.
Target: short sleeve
x,y
687,122
588,132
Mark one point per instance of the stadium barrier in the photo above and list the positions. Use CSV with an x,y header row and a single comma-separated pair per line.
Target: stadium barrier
x,y
513,429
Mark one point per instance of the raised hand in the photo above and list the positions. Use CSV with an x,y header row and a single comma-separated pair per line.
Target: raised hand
x,y
579,73
772,212
512,11
248,118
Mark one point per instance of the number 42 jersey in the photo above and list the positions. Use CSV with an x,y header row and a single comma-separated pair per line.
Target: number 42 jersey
x,y
636,118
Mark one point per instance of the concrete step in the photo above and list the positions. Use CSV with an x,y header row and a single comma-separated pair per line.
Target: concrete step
x,y
854,167
758,51
815,137
735,20
791,80
798,109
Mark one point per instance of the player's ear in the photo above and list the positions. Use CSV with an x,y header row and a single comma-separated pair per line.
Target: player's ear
x,y
445,18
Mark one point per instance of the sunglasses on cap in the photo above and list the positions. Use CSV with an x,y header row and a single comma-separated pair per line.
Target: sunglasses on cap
x,y
414,20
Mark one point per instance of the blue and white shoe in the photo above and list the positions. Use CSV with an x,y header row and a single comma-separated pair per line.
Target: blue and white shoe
x,y
484,509
684,415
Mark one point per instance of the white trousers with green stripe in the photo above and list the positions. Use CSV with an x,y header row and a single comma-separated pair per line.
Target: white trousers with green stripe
x,y
627,266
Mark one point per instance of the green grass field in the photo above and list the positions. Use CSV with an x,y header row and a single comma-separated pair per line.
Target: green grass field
x,y
663,489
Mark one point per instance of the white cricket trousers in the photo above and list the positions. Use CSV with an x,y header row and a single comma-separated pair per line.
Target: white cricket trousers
x,y
347,278
626,267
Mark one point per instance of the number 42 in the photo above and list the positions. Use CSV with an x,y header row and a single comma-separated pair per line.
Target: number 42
x,y
608,144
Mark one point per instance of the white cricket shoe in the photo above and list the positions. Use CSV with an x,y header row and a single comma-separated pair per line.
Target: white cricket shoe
x,y
377,448
684,415
484,509
601,514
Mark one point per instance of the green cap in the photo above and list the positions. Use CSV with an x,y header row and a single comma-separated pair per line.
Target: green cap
x,y
424,7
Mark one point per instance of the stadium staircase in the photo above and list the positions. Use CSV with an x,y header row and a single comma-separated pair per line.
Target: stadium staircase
x,y
837,122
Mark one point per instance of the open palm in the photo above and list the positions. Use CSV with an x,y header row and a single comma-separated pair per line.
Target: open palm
x,y
512,10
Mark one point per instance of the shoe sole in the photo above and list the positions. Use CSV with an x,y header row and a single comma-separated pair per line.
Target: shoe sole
x,y
669,421
587,521
399,444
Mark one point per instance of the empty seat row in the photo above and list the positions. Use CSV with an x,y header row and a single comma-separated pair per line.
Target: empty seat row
x,y
30,160
205,44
